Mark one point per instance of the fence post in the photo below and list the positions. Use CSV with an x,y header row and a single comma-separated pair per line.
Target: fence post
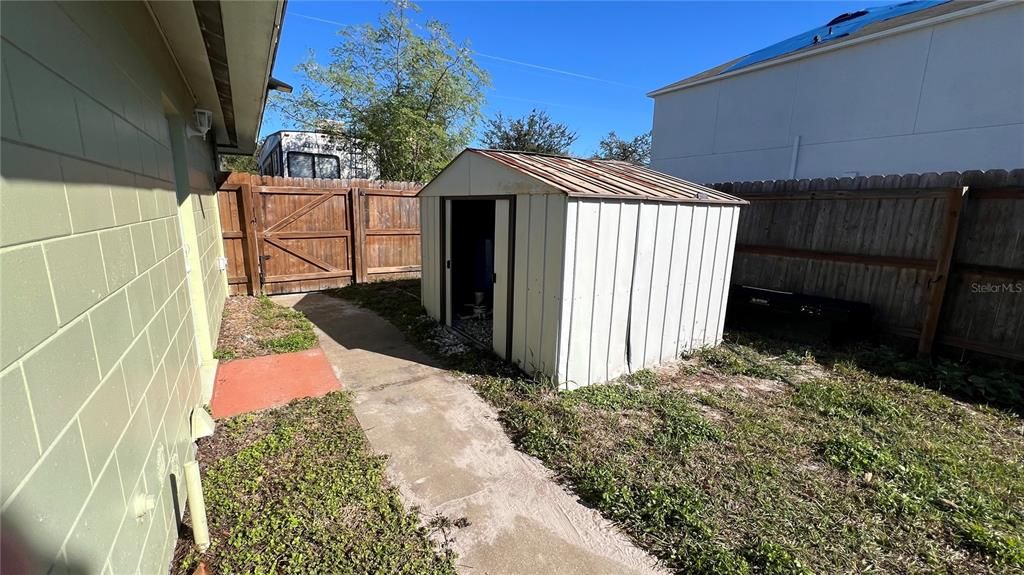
x,y
249,232
358,236
944,263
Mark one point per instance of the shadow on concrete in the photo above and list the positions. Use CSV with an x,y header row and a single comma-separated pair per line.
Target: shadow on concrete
x,y
356,328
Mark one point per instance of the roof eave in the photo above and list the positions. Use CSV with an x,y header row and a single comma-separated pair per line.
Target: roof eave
x,y
225,54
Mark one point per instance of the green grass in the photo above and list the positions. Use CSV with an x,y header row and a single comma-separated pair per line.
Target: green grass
x,y
297,490
224,354
300,334
760,457
266,328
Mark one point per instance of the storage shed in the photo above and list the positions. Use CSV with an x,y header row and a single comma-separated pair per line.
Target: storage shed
x,y
581,270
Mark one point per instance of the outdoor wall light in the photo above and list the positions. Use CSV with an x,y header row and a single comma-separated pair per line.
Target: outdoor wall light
x,y
203,120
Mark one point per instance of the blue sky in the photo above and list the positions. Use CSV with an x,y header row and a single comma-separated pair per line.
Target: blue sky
x,y
588,64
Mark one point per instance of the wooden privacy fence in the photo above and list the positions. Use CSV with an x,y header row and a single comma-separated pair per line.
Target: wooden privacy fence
x,y
286,235
940,257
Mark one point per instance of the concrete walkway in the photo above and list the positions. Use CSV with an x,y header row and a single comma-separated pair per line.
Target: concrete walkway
x,y
448,454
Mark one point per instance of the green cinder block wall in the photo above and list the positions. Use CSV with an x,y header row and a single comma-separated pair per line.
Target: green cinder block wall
x,y
99,355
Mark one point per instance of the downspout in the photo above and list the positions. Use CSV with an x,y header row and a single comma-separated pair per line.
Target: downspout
x,y
197,506
201,425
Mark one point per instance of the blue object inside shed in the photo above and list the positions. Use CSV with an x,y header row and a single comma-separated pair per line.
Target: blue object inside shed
x,y
840,26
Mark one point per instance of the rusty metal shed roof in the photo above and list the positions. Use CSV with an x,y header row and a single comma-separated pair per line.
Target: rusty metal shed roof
x,y
609,179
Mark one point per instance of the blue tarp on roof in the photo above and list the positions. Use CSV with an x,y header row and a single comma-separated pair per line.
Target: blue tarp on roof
x,y
842,25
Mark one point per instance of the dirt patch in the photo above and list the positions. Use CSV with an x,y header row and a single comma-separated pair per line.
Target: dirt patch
x,y
255,326
688,376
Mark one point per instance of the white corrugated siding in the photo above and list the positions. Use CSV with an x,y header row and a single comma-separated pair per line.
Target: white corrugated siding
x,y
430,277
537,293
643,283
601,288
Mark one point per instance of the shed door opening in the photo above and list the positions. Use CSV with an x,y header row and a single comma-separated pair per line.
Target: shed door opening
x,y
478,243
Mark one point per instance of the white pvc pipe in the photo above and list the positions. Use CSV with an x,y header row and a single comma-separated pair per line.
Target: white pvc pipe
x,y
197,506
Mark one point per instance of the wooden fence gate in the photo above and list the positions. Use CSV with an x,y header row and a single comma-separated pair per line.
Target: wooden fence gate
x,y
287,235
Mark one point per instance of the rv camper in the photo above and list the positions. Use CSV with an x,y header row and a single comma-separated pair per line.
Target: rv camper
x,y
313,155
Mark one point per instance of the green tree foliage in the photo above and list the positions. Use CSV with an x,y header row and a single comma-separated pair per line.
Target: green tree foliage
x,y
536,132
407,92
239,163
635,151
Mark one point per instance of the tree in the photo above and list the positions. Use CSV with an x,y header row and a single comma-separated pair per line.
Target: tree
x,y
239,163
407,94
635,151
535,132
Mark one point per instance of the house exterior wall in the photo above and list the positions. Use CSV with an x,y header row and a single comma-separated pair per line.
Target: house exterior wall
x,y
938,98
99,362
644,282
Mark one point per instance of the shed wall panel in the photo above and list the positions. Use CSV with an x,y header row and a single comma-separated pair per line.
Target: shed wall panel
x,y
605,250
584,293
537,293
677,276
535,282
554,263
622,284
430,283
568,286
659,282
643,283
706,276
691,279
521,273
643,266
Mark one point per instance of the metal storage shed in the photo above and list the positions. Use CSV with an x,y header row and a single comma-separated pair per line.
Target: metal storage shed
x,y
581,270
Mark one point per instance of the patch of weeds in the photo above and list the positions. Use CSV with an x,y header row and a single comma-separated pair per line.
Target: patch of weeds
x,y
255,326
1005,549
236,427
856,454
797,357
297,490
736,359
224,354
838,399
296,341
996,386
644,378
682,425
611,396
712,559
774,559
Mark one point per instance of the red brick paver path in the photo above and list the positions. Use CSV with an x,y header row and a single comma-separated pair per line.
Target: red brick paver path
x,y
246,385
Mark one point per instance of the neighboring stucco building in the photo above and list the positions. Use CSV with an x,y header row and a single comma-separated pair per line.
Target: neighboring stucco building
x,y
913,87
111,283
